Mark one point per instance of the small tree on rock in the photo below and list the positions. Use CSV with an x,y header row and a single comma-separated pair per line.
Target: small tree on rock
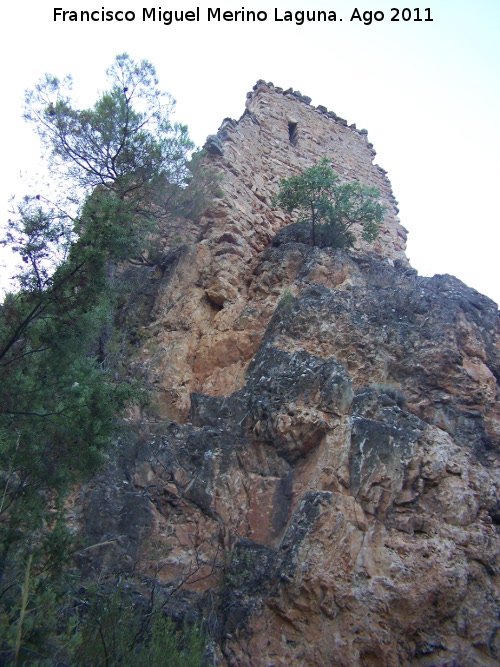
x,y
331,207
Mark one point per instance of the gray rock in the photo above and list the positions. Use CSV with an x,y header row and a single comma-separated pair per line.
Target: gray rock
x,y
214,145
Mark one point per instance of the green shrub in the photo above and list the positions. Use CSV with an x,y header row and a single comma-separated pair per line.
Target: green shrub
x,y
331,207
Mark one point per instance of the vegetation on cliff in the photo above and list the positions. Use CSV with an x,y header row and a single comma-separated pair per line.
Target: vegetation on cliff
x,y
127,168
331,208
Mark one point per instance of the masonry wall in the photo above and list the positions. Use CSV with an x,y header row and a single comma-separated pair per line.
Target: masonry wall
x,y
279,135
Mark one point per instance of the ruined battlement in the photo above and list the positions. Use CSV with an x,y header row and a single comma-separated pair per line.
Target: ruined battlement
x,y
281,134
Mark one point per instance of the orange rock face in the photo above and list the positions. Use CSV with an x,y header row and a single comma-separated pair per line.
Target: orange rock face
x,y
322,481
201,347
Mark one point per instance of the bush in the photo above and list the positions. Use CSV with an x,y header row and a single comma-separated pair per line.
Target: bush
x,y
331,208
43,626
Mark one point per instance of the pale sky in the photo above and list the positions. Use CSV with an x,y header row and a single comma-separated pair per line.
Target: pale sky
x,y
428,93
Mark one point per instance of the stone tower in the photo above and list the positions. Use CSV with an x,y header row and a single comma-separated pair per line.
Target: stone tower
x,y
280,135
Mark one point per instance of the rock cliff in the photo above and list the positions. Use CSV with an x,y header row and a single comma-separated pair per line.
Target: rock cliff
x,y
321,480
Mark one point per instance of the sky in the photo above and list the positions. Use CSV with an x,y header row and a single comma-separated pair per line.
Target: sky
x,y
428,92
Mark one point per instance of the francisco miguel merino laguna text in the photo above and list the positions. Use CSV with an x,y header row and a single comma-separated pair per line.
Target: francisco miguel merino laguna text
x,y
167,17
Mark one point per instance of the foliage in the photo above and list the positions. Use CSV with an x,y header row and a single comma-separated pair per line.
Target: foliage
x,y
114,631
60,398
99,626
124,151
37,625
331,207
173,204
123,143
202,185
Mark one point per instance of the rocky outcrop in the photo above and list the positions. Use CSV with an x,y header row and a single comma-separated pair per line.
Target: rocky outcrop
x,y
212,310
321,480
